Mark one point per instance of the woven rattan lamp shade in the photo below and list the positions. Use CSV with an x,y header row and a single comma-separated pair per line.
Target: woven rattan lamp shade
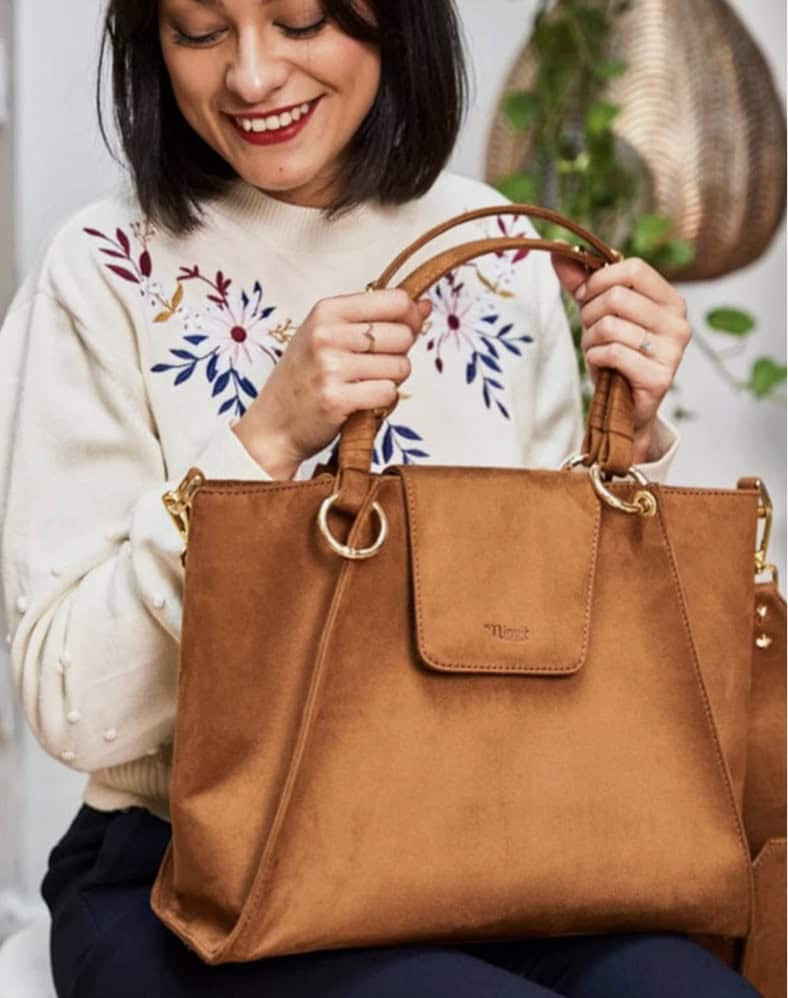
x,y
700,109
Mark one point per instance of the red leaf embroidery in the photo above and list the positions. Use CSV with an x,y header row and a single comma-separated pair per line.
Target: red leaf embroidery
x,y
95,232
125,274
123,239
146,265
112,253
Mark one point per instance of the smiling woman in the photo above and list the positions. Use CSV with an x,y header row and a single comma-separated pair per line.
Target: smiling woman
x,y
198,84
275,74
212,314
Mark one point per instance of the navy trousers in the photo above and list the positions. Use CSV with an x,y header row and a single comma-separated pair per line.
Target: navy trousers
x,y
107,941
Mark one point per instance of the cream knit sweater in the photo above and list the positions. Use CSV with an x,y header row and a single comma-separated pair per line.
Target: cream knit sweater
x,y
125,359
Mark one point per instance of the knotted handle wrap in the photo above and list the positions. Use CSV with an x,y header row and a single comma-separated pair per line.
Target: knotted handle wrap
x,y
609,432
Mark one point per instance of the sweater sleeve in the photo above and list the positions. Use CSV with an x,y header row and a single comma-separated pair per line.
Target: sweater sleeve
x,y
90,560
558,427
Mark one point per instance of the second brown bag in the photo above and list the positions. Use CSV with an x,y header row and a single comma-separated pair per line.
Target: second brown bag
x,y
457,704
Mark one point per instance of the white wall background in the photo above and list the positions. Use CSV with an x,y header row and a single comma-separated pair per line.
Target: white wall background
x,y
60,164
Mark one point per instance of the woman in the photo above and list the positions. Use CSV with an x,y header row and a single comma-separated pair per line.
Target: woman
x,y
281,154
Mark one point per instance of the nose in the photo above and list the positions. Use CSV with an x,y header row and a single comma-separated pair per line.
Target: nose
x,y
255,73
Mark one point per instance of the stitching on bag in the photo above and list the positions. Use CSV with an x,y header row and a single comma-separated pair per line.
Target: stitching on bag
x,y
702,493
464,667
263,487
708,712
254,900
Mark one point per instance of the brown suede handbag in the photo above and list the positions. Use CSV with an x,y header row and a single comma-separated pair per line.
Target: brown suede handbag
x,y
458,704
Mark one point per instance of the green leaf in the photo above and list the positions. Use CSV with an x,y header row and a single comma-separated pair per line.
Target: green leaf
x,y
678,253
599,118
610,69
649,233
732,321
521,188
766,375
522,109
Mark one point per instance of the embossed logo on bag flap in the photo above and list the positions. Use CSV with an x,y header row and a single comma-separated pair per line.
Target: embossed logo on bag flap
x,y
505,633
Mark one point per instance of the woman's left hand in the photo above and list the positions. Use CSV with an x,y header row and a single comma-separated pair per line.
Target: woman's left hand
x,y
633,321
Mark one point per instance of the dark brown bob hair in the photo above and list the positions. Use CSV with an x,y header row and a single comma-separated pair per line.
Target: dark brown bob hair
x,y
397,153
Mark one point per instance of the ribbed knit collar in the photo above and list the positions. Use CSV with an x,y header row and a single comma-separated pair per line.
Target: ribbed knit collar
x,y
298,229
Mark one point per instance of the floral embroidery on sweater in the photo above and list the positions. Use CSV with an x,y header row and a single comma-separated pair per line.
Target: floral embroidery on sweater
x,y
226,337
233,330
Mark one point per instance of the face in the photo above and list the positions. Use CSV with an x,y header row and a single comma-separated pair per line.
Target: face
x,y
276,89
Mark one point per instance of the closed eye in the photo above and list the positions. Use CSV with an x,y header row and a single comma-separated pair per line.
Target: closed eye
x,y
181,38
306,31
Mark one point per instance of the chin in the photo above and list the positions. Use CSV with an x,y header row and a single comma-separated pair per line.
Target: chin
x,y
292,186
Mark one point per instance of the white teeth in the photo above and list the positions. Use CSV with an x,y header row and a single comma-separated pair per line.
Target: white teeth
x,y
274,121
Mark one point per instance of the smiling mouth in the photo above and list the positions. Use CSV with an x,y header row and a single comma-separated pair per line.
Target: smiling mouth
x,y
275,121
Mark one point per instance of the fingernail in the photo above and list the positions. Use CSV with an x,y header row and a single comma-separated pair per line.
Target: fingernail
x,y
425,304
581,292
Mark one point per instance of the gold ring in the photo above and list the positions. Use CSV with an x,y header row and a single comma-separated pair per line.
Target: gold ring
x,y
644,504
343,550
371,337
646,346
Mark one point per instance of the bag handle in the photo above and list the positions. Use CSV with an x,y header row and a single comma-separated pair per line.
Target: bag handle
x,y
609,432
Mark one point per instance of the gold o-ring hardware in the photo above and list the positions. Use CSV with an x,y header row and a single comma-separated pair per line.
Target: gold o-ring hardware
x,y
644,503
343,550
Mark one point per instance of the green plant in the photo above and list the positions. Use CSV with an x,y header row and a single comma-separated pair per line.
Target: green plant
x,y
577,167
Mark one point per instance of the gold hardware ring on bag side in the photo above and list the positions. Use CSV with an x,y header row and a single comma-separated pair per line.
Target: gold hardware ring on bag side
x,y
178,504
344,550
644,502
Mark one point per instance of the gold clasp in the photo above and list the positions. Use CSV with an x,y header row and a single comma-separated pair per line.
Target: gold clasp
x,y
766,513
178,504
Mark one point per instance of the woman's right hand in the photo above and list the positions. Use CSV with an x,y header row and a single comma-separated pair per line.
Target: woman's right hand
x,y
328,372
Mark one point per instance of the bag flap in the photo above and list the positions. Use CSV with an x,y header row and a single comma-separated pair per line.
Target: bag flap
x,y
503,565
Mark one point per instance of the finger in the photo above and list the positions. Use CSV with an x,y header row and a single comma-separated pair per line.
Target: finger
x,y
388,337
392,305
369,395
628,304
570,273
643,373
611,329
375,367
636,274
